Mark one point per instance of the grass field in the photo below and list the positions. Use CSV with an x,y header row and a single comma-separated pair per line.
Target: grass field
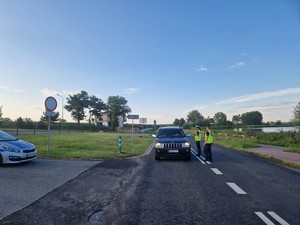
x,y
252,139
88,145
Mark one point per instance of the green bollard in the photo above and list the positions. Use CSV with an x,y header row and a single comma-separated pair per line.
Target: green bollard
x,y
120,145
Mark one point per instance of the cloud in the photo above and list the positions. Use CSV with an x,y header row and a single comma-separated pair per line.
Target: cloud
x,y
202,69
18,90
237,65
3,87
244,54
261,95
252,97
10,89
131,90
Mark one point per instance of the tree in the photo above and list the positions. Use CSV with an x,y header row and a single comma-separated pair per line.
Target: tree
x,y
296,114
96,106
220,118
176,122
76,104
29,124
194,118
252,118
210,121
53,119
236,119
118,107
20,123
1,113
179,122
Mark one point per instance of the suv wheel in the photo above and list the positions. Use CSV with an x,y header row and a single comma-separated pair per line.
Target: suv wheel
x,y
157,157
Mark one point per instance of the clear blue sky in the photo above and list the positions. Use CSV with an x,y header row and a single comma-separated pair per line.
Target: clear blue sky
x,y
166,57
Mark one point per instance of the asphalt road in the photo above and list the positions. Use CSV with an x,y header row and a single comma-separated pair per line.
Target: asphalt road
x,y
22,184
235,188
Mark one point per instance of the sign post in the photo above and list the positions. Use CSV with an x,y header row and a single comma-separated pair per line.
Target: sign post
x,y
50,104
132,117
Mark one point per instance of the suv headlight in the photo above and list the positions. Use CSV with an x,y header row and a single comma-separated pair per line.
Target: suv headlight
x,y
159,145
186,145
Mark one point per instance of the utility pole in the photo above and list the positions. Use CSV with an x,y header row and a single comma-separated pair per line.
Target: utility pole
x,y
62,112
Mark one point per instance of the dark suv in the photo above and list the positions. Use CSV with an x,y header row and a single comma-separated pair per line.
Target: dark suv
x,y
172,142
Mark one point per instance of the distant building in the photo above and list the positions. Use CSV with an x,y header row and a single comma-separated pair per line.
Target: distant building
x,y
105,119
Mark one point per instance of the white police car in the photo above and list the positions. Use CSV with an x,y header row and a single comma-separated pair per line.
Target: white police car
x,y
13,150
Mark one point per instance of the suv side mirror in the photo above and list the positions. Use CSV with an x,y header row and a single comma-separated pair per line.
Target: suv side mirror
x,y
153,135
187,135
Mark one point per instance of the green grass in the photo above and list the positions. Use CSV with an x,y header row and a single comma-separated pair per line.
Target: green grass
x,y
88,145
240,145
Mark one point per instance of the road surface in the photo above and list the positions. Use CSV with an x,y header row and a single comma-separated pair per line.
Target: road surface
x,y
235,188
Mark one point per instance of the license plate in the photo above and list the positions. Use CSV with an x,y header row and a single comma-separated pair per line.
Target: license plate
x,y
30,154
173,151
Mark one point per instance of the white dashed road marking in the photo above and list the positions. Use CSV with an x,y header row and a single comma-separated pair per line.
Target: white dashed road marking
x,y
264,218
201,159
240,191
236,188
274,215
216,171
195,154
208,162
278,218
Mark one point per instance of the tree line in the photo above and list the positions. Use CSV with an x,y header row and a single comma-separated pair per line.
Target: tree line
x,y
81,106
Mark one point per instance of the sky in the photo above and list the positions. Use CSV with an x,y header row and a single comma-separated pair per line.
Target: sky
x,y
165,57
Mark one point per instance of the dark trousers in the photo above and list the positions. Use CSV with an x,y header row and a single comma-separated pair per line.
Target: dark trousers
x,y
198,147
207,152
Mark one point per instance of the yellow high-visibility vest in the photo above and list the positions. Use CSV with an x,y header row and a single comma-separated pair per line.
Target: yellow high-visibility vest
x,y
209,137
198,135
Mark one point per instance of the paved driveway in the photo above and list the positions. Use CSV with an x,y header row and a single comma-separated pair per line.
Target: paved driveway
x,y
22,184
277,152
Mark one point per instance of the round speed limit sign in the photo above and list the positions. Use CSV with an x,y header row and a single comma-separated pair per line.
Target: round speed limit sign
x,y
50,103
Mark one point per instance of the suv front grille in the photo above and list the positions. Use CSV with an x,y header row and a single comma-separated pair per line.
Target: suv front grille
x,y
172,145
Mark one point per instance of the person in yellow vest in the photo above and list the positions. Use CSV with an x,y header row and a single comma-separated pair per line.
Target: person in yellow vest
x,y
197,136
208,143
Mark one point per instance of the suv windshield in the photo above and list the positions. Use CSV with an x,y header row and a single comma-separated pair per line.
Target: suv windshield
x,y
169,133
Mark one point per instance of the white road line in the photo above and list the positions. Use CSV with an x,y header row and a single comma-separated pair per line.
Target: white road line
x,y
278,218
264,218
216,171
208,162
149,149
200,158
236,188
195,154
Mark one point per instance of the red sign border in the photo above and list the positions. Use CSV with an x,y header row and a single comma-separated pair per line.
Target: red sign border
x,y
50,97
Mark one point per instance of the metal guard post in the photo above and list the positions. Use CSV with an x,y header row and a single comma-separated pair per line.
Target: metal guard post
x,y
120,145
